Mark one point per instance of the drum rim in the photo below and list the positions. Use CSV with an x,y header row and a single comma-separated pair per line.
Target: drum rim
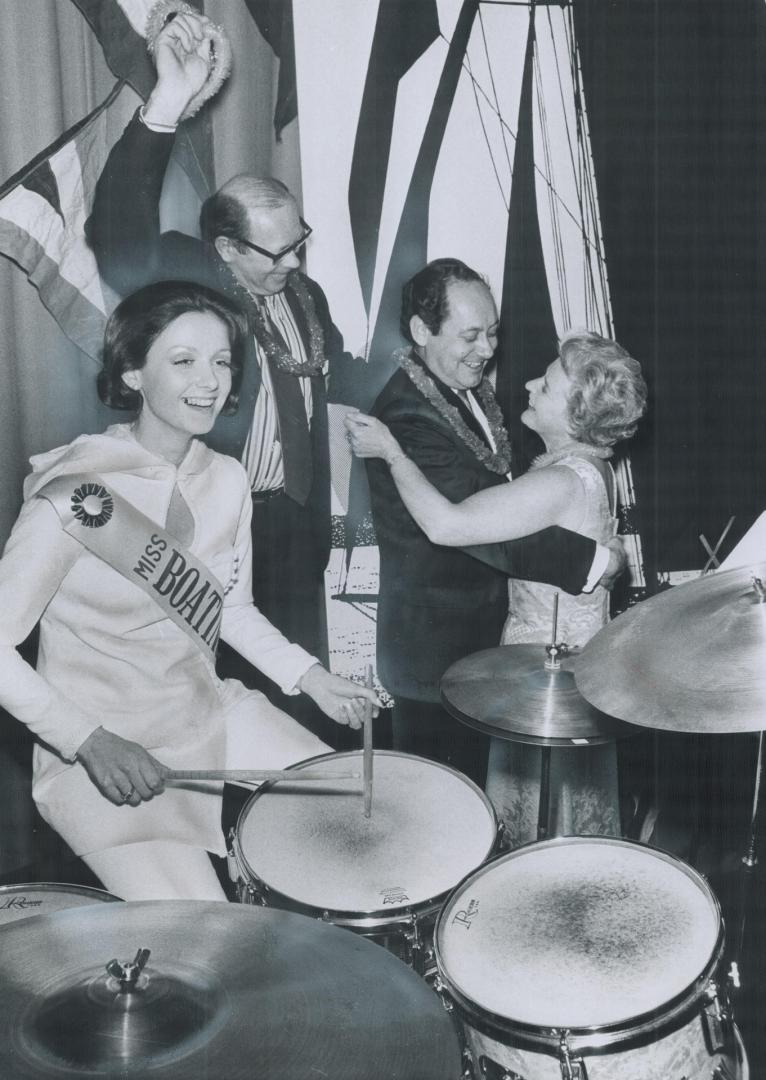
x,y
60,886
369,918
592,1037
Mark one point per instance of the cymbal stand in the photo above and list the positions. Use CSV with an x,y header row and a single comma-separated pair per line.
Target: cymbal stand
x,y
747,867
749,859
552,663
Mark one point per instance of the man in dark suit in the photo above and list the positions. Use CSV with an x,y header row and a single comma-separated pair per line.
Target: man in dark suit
x,y
252,237
438,604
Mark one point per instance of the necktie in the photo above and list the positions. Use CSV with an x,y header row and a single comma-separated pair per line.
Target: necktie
x,y
294,434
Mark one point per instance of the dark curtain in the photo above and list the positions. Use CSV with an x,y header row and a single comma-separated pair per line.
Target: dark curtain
x,y
675,98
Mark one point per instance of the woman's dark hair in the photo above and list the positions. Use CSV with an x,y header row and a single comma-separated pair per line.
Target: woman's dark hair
x,y
137,322
425,294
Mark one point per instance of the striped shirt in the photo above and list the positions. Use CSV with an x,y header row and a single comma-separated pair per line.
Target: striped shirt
x,y
262,456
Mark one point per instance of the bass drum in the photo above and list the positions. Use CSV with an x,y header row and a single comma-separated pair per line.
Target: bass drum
x,y
308,848
588,958
41,898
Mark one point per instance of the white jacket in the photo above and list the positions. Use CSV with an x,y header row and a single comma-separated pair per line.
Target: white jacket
x,y
108,655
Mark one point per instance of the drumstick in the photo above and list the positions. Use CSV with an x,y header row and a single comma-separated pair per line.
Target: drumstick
x,y
367,748
256,776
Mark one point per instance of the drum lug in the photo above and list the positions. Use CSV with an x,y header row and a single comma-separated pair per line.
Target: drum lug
x,y
248,893
503,841
723,1072
716,1019
571,1068
490,1070
415,946
231,859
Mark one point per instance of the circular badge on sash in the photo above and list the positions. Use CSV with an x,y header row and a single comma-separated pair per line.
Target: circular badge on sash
x,y
92,505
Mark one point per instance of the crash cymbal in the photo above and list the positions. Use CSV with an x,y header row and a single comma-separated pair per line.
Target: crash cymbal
x,y
509,692
692,658
226,992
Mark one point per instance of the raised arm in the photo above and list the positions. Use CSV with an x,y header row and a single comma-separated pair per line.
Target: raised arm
x,y
124,225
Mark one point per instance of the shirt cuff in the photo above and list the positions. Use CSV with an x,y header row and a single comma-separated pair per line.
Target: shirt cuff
x,y
164,129
291,688
598,568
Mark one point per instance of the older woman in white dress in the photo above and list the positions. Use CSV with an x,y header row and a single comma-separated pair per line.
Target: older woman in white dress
x,y
591,397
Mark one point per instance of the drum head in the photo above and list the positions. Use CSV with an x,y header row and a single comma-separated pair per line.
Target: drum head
x,y
577,933
430,826
41,898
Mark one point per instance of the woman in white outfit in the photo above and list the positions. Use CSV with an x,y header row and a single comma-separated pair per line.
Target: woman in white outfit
x,y
591,396
113,527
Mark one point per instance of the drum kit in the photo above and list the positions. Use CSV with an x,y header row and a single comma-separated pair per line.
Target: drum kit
x,y
572,958
565,934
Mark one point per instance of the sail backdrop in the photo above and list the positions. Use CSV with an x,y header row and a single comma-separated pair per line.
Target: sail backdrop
x,y
408,151
468,192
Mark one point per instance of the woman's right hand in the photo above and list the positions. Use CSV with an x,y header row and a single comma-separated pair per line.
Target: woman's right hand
x,y
371,438
123,771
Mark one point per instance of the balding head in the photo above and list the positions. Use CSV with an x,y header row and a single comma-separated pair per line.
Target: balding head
x,y
226,213
256,228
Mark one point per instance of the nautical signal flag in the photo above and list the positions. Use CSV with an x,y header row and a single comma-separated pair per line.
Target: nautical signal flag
x,y
44,206
43,210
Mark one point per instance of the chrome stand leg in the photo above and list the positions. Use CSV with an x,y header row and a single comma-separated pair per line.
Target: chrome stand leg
x,y
544,811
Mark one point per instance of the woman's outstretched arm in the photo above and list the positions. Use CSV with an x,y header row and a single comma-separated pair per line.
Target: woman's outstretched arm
x,y
503,512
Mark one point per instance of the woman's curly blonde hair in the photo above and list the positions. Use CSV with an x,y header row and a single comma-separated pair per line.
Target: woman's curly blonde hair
x,y
608,394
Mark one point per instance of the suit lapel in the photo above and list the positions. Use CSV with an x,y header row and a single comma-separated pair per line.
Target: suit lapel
x,y
465,413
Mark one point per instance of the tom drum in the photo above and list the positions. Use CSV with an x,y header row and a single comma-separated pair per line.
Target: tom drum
x,y
309,848
41,898
588,958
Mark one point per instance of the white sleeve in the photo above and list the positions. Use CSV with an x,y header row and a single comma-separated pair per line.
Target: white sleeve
x,y
37,558
597,568
246,629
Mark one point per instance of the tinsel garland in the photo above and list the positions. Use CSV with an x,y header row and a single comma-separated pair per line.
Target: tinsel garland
x,y
273,345
497,461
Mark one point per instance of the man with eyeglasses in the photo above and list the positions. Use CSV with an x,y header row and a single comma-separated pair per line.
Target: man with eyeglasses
x,y
252,237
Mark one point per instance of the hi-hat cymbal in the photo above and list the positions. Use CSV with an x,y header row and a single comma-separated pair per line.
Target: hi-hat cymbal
x,y
692,658
227,992
508,692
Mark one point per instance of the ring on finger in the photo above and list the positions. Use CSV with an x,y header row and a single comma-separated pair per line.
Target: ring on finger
x,y
129,795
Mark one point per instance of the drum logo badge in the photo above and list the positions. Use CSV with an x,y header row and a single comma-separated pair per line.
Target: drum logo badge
x,y
465,916
19,902
395,895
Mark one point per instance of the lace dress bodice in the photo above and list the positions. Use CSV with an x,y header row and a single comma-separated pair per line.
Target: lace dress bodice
x,y
579,617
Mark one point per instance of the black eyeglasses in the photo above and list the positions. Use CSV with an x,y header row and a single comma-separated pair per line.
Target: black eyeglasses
x,y
278,255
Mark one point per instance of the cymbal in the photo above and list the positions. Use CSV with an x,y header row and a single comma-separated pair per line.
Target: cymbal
x,y
508,692
692,658
228,991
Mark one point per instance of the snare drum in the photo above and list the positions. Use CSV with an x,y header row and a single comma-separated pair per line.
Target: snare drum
x,y
587,957
308,848
41,898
